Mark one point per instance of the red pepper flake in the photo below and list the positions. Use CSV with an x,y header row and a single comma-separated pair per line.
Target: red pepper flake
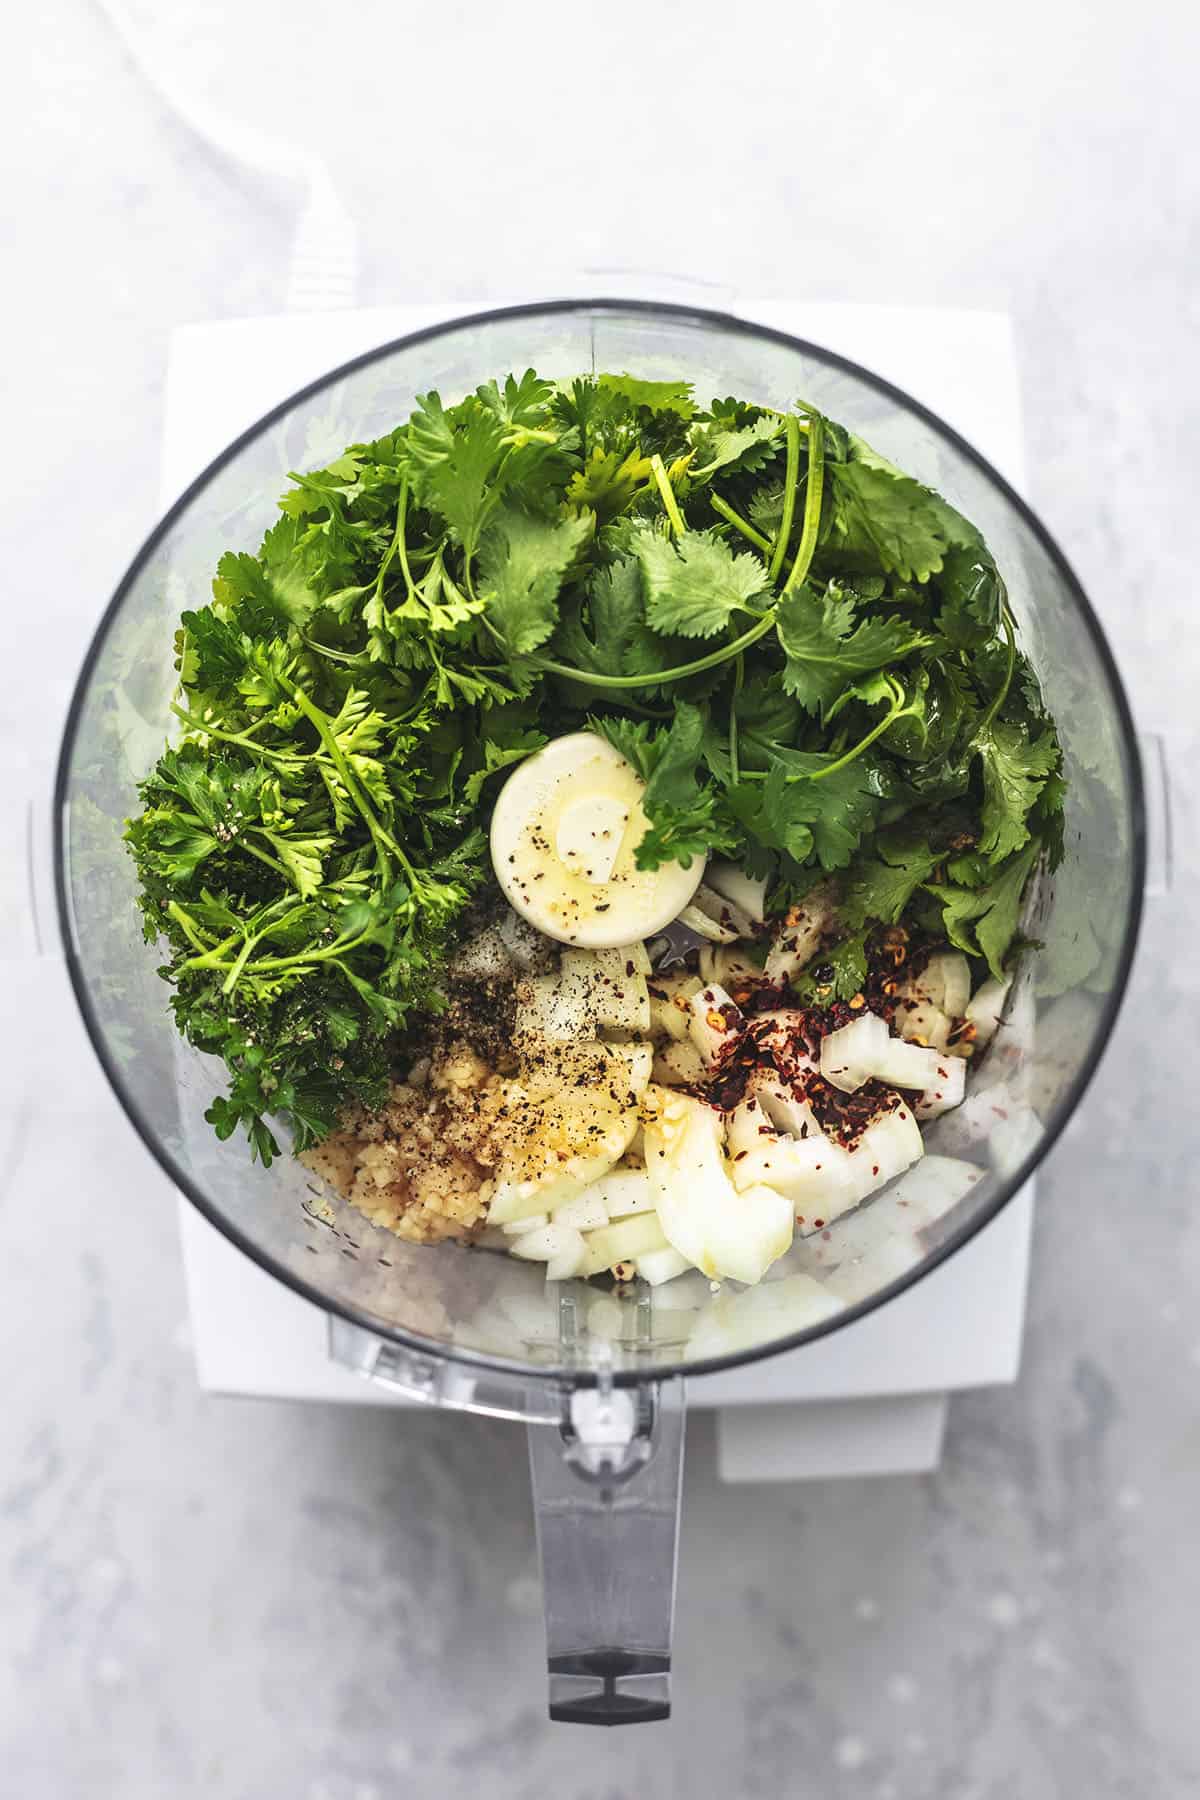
x,y
874,1168
817,1224
799,1218
740,1155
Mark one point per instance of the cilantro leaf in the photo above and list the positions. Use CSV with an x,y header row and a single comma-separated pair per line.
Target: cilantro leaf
x,y
994,910
1014,773
826,650
882,516
681,814
694,586
655,396
522,565
719,449
879,887
848,961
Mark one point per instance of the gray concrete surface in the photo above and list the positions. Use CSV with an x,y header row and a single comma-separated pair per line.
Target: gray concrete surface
x,y
261,1602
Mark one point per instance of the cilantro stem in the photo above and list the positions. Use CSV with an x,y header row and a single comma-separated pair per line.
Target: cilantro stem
x,y
791,475
739,524
660,676
739,672
893,713
670,504
812,504
1001,694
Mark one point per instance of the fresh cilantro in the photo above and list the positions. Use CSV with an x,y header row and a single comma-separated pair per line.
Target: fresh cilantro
x,y
983,920
1014,773
878,888
521,569
695,586
655,396
825,648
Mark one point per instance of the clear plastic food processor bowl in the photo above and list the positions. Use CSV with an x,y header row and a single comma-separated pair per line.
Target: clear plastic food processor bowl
x,y
599,1379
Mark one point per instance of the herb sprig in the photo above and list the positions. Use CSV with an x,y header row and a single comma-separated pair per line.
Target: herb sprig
x,y
808,656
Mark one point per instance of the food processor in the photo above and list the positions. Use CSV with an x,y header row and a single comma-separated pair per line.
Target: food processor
x,y
597,1377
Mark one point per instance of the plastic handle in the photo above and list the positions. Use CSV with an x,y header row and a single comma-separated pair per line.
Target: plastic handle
x,y
1156,774
606,1488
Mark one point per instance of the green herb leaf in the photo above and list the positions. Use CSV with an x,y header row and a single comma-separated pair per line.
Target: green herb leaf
x,y
826,650
522,566
1014,773
993,910
695,586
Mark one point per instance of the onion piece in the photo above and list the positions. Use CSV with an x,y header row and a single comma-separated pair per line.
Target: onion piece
x,y
985,1010
951,1086
515,1227
626,1239
716,1021
548,1242
749,892
657,1266
850,1056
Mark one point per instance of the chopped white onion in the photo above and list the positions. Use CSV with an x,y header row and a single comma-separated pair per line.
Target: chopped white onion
x,y
515,1227
716,1021
547,1242
747,891
657,1266
851,1055
948,1091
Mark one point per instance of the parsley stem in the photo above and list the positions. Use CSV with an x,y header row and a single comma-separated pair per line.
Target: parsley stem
x,y
812,503
792,429
659,677
264,856
187,926
670,504
739,671
399,544
382,839
203,729
739,524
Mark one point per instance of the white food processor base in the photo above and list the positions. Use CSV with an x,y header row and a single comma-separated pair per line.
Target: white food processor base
x,y
870,1399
